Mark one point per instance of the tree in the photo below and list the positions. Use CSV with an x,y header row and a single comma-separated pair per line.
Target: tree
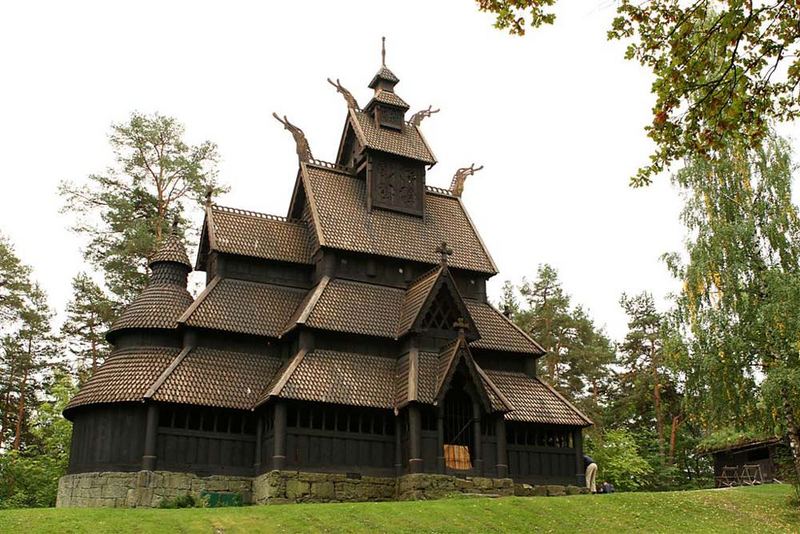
x,y
14,283
742,289
720,68
89,315
578,355
123,213
642,352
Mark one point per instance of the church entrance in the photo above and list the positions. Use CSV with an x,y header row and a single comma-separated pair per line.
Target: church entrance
x,y
458,434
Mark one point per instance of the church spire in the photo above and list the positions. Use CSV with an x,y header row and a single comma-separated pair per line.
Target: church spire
x,y
384,79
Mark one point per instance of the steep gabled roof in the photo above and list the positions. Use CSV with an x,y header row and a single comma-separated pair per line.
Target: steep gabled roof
x,y
257,235
498,332
407,142
421,296
450,357
339,207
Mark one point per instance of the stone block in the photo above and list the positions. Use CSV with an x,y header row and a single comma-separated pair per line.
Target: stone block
x,y
555,490
574,490
540,491
297,489
322,490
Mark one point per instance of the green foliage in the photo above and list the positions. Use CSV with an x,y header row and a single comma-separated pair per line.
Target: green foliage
x,y
729,437
183,501
89,315
29,477
158,178
723,69
619,461
579,355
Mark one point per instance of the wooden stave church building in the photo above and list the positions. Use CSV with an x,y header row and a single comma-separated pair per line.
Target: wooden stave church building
x,y
353,335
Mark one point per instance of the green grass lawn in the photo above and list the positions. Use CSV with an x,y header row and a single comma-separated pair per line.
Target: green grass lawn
x,y
760,509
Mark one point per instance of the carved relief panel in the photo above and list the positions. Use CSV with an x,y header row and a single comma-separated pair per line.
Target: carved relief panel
x,y
396,184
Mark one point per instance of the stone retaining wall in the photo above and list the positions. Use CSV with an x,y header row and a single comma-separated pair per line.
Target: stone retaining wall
x,y
149,488
142,489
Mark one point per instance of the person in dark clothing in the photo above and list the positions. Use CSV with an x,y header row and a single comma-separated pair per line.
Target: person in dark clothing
x,y
591,473
607,487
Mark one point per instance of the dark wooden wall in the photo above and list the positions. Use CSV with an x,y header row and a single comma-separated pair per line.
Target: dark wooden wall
x,y
542,453
338,438
107,438
206,441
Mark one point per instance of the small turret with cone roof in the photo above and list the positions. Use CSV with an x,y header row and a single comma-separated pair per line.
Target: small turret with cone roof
x,y
165,297
387,108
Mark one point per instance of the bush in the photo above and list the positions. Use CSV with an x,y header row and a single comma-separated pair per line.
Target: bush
x,y
183,501
619,462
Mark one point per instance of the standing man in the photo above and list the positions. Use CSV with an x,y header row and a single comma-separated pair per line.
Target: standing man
x,y
591,473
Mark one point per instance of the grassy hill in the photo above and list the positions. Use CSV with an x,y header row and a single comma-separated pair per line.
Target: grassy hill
x,y
760,509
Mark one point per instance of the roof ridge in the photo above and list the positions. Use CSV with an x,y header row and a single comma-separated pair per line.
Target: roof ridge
x,y
330,166
439,191
256,214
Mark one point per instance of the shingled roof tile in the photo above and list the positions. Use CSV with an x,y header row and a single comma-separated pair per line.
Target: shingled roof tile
x,y
244,307
407,142
358,308
218,378
171,249
343,378
157,306
535,402
125,376
339,201
259,235
497,332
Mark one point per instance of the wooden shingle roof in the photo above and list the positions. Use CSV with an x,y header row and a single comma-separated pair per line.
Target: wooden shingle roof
x,y
171,249
257,235
536,402
342,221
157,306
339,378
407,142
245,307
218,378
498,332
125,376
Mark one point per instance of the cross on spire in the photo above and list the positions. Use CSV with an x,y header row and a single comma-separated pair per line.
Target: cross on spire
x,y
383,51
444,251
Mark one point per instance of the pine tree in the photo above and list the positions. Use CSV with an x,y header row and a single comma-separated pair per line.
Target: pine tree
x,y
123,213
89,315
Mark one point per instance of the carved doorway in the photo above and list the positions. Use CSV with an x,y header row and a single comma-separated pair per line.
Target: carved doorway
x,y
458,434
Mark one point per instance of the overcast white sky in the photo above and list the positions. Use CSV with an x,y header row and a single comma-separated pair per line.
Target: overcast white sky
x,y
556,118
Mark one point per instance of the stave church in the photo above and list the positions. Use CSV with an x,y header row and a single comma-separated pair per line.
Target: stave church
x,y
350,338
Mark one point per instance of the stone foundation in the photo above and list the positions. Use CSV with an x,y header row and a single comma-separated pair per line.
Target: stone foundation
x,y
142,489
149,488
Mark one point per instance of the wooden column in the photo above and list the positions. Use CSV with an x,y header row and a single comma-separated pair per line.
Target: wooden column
x,y
279,436
414,439
476,437
259,439
398,445
577,443
502,448
440,466
150,436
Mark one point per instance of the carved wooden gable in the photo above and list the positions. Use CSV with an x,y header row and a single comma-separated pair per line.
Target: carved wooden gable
x,y
396,184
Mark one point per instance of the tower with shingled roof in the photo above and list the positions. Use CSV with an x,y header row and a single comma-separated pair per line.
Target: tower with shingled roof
x,y
351,337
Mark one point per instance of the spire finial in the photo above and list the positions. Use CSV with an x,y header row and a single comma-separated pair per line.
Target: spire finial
x,y
383,51
175,225
444,251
